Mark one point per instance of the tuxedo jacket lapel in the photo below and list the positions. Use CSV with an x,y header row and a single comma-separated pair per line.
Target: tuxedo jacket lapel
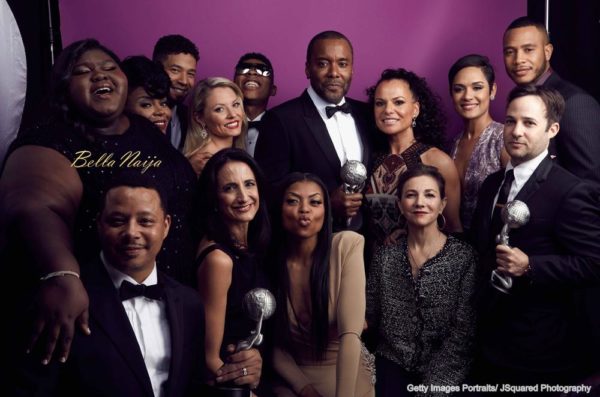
x,y
107,310
363,130
533,184
175,315
317,128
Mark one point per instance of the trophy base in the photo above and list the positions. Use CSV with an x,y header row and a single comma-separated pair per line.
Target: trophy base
x,y
230,391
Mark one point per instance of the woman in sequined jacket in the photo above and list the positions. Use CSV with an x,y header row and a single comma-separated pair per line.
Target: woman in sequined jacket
x,y
419,295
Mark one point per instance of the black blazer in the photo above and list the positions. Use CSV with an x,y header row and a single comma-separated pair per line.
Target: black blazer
x,y
293,137
182,114
109,361
533,328
577,145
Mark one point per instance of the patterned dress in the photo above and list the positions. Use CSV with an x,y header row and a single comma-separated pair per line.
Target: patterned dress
x,y
485,160
382,191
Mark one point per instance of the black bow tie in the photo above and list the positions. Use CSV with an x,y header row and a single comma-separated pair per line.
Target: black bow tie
x,y
128,291
254,124
330,110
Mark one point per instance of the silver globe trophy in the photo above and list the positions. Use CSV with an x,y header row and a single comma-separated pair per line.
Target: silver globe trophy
x,y
514,215
259,305
354,176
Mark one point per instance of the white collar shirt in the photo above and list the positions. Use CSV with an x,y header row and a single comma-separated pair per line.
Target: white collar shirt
x,y
252,136
148,319
522,173
341,128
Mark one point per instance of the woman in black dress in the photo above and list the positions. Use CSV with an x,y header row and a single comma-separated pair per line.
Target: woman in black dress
x,y
235,226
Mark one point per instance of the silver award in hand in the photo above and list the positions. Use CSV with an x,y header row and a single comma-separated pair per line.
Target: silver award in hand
x,y
354,176
514,215
259,305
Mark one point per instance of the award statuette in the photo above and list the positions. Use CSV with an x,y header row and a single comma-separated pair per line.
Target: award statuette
x,y
514,215
354,176
259,305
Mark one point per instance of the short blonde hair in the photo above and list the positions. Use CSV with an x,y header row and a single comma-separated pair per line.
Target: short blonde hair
x,y
197,136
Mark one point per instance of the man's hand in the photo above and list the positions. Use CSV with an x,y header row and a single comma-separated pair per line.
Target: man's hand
x,y
62,303
345,205
511,261
234,366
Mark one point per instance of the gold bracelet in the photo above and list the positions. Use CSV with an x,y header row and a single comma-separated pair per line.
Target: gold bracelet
x,y
59,273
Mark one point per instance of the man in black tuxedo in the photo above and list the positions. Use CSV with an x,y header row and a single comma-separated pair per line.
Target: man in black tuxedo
x,y
179,56
147,329
528,335
255,76
322,129
527,53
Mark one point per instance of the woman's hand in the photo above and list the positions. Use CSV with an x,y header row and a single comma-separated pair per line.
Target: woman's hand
x,y
233,369
62,303
198,160
309,391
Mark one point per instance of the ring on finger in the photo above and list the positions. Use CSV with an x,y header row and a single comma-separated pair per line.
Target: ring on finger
x,y
244,371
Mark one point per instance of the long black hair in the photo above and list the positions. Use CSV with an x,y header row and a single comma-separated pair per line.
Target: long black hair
x,y
208,219
319,273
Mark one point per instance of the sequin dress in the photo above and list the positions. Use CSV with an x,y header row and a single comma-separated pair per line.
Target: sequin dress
x,y
97,158
485,160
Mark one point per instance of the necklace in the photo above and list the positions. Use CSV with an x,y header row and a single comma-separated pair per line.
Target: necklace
x,y
435,247
239,245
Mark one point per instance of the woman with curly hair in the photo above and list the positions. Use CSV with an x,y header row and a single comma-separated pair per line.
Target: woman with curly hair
x,y
409,116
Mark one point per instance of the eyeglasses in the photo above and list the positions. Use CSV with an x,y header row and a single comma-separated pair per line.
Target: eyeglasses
x,y
259,68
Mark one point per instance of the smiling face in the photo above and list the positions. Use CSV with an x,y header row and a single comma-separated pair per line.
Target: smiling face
x,y
131,228
98,87
330,69
256,88
156,110
237,193
394,106
527,54
526,129
421,202
223,113
181,69
471,93
303,210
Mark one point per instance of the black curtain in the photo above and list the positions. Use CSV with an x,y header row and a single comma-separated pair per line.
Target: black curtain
x,y
575,34
33,18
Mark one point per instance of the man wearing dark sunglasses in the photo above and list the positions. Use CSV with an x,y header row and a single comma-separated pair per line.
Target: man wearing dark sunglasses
x,y
254,75
322,129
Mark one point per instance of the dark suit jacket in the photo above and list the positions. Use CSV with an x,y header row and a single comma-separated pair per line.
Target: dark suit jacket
x,y
182,114
533,328
293,137
577,145
109,361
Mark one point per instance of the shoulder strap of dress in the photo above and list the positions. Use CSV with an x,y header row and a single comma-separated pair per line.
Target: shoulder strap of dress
x,y
207,250
412,155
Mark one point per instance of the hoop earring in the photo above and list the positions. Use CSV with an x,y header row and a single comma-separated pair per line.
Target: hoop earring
x,y
492,97
414,122
441,226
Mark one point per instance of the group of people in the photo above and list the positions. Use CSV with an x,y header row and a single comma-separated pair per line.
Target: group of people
x,y
139,217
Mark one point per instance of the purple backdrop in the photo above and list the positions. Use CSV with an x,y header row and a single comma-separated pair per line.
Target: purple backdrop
x,y
423,36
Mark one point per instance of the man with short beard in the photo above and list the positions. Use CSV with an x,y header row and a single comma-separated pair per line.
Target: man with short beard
x,y
527,53
321,130
179,56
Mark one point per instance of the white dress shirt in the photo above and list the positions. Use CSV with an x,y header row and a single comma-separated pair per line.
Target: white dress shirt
x,y
341,127
252,136
148,318
522,173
